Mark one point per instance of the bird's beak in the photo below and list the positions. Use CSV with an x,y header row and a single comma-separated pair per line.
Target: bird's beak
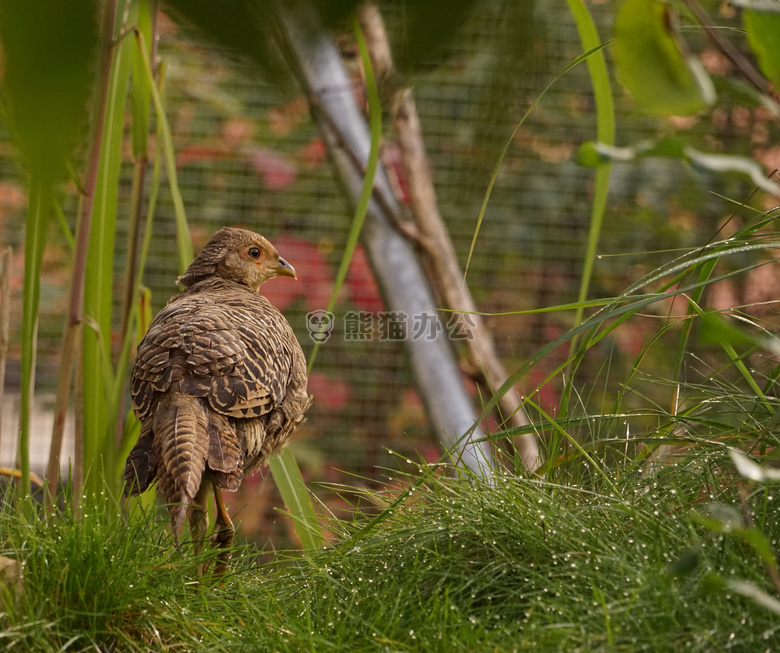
x,y
285,269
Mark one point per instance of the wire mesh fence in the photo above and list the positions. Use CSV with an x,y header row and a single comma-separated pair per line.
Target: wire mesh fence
x,y
249,155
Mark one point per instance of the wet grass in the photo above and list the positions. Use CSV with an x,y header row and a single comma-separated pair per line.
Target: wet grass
x,y
626,564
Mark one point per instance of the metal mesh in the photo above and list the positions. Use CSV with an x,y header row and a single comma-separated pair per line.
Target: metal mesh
x,y
249,155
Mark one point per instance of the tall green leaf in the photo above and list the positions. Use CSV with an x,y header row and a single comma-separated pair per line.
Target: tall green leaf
x,y
98,413
288,479
183,240
49,52
605,128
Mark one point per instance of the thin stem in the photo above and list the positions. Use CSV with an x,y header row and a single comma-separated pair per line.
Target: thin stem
x,y
70,338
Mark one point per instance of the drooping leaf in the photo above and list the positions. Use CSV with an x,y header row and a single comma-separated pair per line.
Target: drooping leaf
x,y
244,27
653,64
763,36
591,154
745,94
50,52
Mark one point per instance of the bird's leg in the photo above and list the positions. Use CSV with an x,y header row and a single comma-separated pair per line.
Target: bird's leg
x,y
199,522
223,531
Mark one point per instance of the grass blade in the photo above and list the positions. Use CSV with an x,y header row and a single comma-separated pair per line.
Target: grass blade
x,y
287,476
38,213
605,130
491,184
375,124
284,468
183,239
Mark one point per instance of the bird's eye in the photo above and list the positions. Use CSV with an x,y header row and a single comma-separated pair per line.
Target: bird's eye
x,y
254,252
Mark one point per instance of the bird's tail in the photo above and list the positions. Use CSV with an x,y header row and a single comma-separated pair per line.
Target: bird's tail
x,y
181,443
226,457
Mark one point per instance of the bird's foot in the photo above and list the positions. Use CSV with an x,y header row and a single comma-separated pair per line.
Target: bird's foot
x,y
223,539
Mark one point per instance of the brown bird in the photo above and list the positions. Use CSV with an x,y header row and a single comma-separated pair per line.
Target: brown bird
x,y
219,383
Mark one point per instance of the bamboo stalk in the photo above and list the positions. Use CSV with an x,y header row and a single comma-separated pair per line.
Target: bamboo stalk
x,y
75,314
5,321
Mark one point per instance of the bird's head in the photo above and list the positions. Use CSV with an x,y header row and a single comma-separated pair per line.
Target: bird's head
x,y
237,255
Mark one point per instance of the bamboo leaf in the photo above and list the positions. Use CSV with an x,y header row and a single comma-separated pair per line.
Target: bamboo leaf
x,y
652,64
99,416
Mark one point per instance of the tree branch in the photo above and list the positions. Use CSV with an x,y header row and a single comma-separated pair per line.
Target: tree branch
x,y
444,273
317,64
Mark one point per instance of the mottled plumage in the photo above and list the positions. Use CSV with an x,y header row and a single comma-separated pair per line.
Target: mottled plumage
x,y
219,381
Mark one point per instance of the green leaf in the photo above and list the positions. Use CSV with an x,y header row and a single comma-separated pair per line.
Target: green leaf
x,y
605,132
716,330
288,479
142,95
593,153
183,239
99,413
763,35
38,214
49,52
367,190
652,64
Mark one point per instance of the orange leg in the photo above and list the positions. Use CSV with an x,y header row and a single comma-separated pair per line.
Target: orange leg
x,y
223,531
199,522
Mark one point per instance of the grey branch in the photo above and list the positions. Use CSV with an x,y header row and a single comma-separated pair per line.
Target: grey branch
x,y
319,69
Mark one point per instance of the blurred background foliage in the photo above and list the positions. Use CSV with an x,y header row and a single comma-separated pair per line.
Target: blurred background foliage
x,y
247,154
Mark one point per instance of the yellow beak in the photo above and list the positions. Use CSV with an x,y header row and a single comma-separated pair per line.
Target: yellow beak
x,y
285,269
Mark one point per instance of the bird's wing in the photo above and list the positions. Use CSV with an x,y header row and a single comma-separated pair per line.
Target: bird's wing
x,y
154,364
237,358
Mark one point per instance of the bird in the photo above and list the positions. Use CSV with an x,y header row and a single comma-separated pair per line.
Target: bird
x,y
218,384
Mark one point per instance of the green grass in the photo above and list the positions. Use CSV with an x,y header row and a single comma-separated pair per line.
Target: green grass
x,y
459,565
640,534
